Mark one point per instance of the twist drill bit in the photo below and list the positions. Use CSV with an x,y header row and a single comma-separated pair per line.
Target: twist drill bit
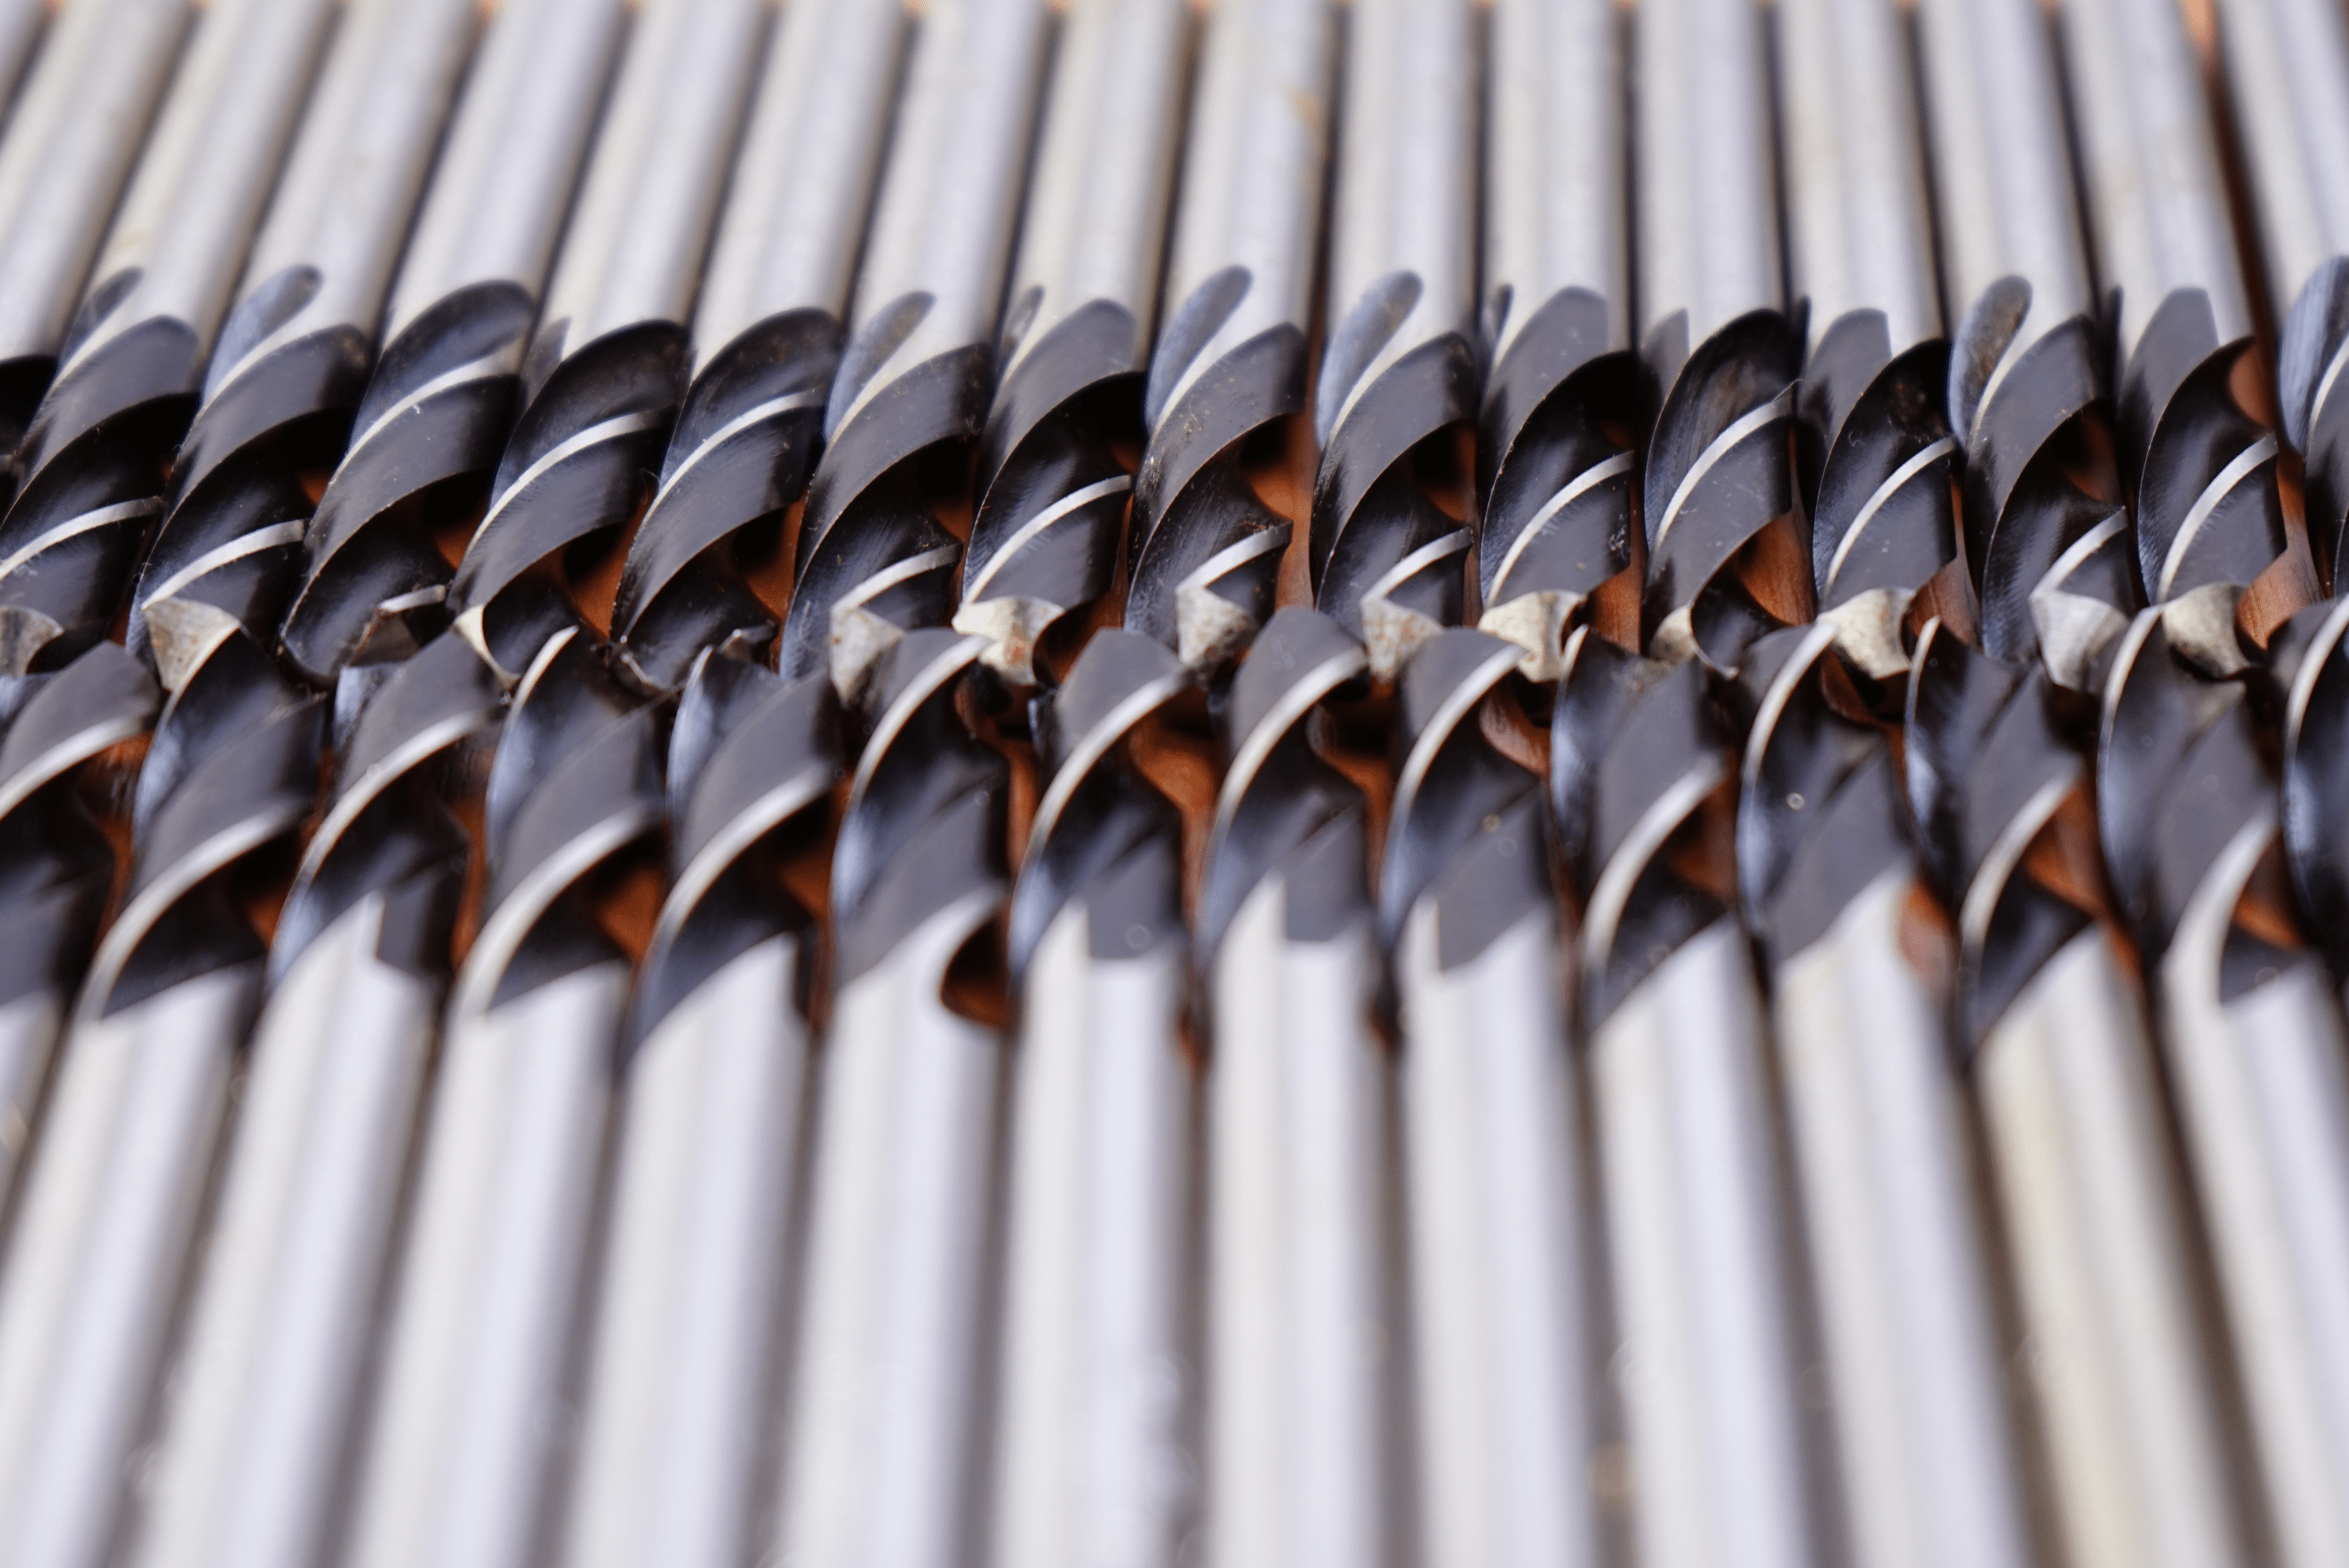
x,y
1873,452
2046,541
767,337
1555,467
1400,368
112,1186
1672,1019
873,562
460,1445
20,31
261,1408
1489,1120
2050,1029
2198,466
1231,361
1857,959
1298,1253
1094,1396
880,1440
90,472
442,401
1052,489
608,364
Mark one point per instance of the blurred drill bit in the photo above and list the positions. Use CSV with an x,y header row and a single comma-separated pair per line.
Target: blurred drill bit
x,y
1231,360
1554,467
2089,1202
111,1189
91,471
469,1412
1873,450
1076,335
68,145
767,336
608,365
880,1443
692,1283
21,25
2198,467
1095,1396
260,1411
1857,959
444,393
2047,544
872,560
1700,1237
293,356
1400,368
1302,1347
2258,1058
1499,1273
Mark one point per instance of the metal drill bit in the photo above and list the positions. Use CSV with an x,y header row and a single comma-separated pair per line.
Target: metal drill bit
x,y
111,1188
2046,541
21,25
767,336
1873,452
443,400
261,1408
692,1284
2050,1028
880,1439
1713,326
1554,466
90,472
873,562
1231,361
2198,467
1095,1392
1493,1171
1301,1352
1076,335
1672,1019
1400,366
469,1412
1857,959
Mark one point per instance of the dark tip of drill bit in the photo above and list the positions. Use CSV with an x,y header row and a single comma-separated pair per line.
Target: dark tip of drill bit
x,y
2312,662
2316,407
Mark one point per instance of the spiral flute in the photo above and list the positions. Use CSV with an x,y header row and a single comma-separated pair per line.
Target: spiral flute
x,y
444,395
1554,469
1077,333
460,1444
1231,360
1094,1400
767,336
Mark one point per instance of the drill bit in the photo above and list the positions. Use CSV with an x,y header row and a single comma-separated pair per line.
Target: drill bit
x,y
442,399
1554,449
1873,452
680,1369
1713,332
1096,1398
608,365
1670,1015
259,1408
460,1444
1299,1256
1400,368
2046,541
767,337
1076,335
873,561
880,1443
1230,364
1494,1170
110,1193
1857,957
90,472
20,31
